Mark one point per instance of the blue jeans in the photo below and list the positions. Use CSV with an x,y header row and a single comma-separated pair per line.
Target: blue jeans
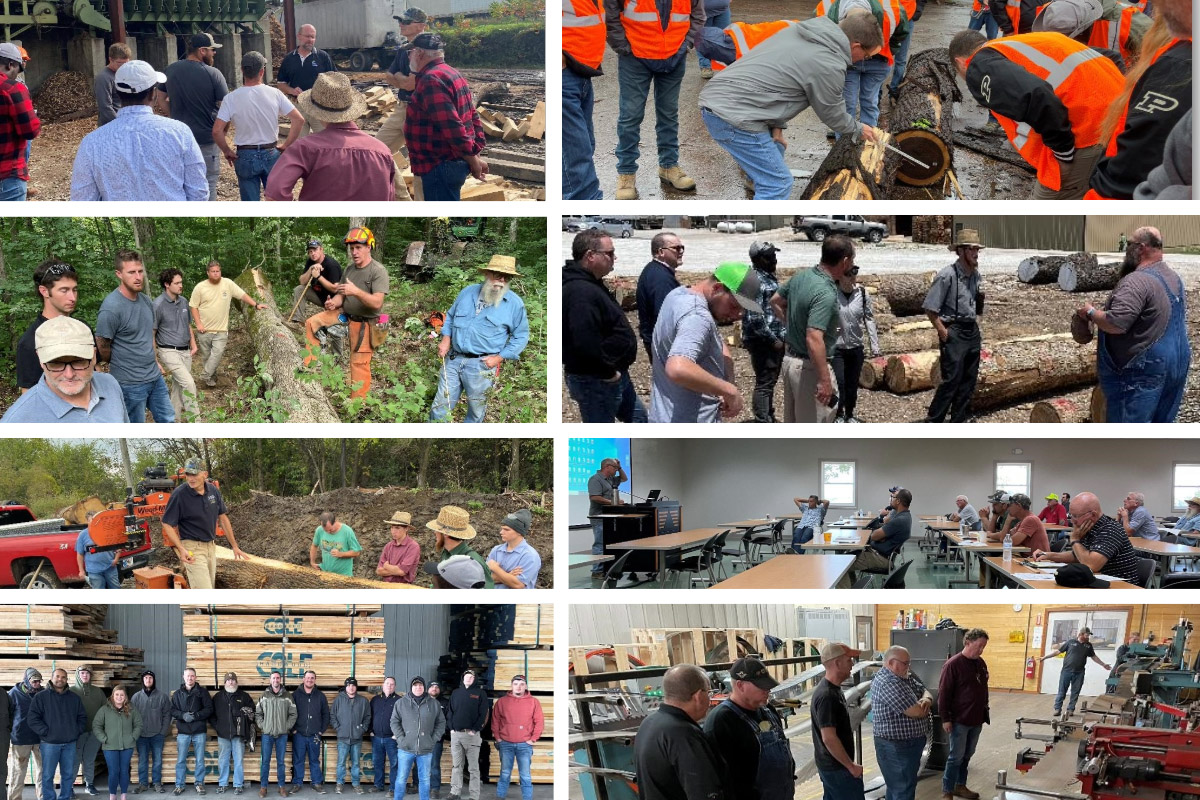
x,y
279,745
578,139
252,168
1150,387
149,748
901,56
383,754
118,770
604,401
407,760
963,739
306,749
109,579
634,79
232,750
445,181
194,742
840,785
1068,680
759,156
354,751
462,373
12,189
435,766
899,761
523,753
153,394
983,19
62,758
801,536
719,21
864,79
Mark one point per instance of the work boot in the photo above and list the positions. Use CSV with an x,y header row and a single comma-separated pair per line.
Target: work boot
x,y
295,788
262,791
220,789
894,94
178,791
627,187
319,788
677,178
158,787
90,788
706,73
282,792
962,791
947,796
199,788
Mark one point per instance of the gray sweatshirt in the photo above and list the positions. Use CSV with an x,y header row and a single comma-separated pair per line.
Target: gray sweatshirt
x,y
854,313
803,65
1172,180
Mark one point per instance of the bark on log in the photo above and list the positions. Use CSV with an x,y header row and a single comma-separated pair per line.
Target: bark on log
x,y
1088,276
921,120
1098,405
1060,409
906,293
853,171
910,341
1020,369
913,372
872,373
279,353
993,146
257,572
1039,269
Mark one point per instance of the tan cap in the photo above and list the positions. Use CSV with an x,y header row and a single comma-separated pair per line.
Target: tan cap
x,y
505,265
1195,501
834,650
453,521
60,337
400,518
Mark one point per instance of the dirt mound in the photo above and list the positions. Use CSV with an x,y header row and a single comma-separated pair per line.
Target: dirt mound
x,y
282,527
65,96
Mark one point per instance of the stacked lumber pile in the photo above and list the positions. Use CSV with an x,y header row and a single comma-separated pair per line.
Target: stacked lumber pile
x,y
498,125
381,100
50,637
933,229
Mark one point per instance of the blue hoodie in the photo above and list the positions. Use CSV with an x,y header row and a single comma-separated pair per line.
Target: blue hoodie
x,y
57,717
21,696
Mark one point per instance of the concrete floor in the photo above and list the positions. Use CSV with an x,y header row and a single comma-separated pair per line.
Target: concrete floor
x,y
716,174
997,750
487,791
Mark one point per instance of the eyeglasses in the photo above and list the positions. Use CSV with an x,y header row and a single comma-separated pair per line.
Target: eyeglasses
x,y
59,366
678,248
609,253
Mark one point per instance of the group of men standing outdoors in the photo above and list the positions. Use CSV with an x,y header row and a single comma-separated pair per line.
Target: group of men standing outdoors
x,y
61,728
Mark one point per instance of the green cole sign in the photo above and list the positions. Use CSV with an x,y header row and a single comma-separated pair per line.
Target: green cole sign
x,y
293,666
284,626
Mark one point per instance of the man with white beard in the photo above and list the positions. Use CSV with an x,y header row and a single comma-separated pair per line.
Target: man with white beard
x,y
485,327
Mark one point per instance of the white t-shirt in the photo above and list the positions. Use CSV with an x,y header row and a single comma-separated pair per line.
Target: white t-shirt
x,y
255,113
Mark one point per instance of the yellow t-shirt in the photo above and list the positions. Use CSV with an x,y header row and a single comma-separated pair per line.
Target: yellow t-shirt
x,y
213,303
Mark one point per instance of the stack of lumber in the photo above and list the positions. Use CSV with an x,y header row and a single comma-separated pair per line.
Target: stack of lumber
x,y
933,229
502,626
380,100
49,637
499,125
701,645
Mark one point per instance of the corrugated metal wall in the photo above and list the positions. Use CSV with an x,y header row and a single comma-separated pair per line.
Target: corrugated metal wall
x,y
1050,232
157,629
416,637
1177,231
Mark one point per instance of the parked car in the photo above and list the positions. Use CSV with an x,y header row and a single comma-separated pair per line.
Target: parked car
x,y
40,554
815,229
613,227
577,224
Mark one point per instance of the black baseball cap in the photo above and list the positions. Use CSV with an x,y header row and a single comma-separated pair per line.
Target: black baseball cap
x,y
752,670
428,41
1078,576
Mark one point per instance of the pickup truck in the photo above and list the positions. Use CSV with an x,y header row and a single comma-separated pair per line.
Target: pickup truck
x,y
27,543
815,229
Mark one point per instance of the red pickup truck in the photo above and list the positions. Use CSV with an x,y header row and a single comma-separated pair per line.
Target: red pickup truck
x,y
40,554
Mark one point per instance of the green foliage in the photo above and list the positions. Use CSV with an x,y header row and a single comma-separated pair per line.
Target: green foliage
x,y
541,511
474,505
253,401
48,475
520,42
517,9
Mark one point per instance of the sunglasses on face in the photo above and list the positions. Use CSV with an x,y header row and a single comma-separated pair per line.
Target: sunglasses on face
x,y
678,248
59,269
609,253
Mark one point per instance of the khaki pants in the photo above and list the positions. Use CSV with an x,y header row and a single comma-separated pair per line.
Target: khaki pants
x,y
178,364
800,391
391,132
310,297
202,572
1074,177
464,747
18,761
211,349
867,559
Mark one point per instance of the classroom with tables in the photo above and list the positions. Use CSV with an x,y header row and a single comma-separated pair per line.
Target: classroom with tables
x,y
884,514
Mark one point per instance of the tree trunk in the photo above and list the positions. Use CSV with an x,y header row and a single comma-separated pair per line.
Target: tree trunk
x,y
1098,405
1015,370
512,230
423,463
872,373
912,372
906,293
1060,409
1039,269
342,461
921,120
1085,275
908,341
514,466
853,171
279,353
143,239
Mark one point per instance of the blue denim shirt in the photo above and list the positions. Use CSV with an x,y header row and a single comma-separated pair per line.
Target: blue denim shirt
x,y
40,404
523,556
502,329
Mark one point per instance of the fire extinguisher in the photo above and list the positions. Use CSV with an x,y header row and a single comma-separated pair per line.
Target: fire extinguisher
x,y
1029,668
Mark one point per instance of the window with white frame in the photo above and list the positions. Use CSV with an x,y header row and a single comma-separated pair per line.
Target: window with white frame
x,y
838,483
1014,476
1185,485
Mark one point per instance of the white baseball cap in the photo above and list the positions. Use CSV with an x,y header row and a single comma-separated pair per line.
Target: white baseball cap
x,y
137,76
12,53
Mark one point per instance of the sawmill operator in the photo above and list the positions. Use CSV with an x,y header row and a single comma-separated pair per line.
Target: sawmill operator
x,y
189,525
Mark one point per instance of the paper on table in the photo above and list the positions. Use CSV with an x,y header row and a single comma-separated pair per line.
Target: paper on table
x,y
1038,576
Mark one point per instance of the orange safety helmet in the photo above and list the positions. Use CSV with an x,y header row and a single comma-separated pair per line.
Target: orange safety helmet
x,y
360,236
24,54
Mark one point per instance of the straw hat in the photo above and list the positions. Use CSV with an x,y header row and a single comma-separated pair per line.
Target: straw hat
x,y
967,237
1195,501
453,521
332,99
505,265
400,518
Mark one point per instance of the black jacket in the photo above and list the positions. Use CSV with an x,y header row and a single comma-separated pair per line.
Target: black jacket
x,y
674,760
1016,93
1028,14
469,708
597,339
233,714
198,703
57,717
654,284
312,712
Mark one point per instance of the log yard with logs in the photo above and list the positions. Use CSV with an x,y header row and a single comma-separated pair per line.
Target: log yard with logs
x,y
1040,332
877,99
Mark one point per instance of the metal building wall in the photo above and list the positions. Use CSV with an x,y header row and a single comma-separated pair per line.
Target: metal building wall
x,y
1103,232
157,629
1051,232
416,637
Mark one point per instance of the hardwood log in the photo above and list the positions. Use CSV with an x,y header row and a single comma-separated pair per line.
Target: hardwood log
x,y
1085,275
279,354
1060,409
905,293
1098,405
912,372
1024,368
872,373
1039,269
853,171
257,572
921,121
895,342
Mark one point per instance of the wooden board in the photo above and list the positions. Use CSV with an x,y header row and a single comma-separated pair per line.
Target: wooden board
x,y
311,609
537,122
541,768
253,661
293,626
530,173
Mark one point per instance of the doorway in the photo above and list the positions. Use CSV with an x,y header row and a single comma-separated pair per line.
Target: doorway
x,y
1108,631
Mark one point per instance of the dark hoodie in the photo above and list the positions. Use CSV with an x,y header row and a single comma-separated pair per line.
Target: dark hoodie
x,y
92,696
198,703
468,708
154,706
597,338
57,717
21,697
233,714
443,701
312,712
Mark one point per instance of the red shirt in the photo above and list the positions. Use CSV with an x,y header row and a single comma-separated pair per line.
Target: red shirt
x,y
1035,534
1054,513
405,555
18,124
338,163
517,719
442,123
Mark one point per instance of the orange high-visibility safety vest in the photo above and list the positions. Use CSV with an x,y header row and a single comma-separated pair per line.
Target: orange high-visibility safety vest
x,y
1114,33
583,31
645,32
746,36
1085,81
891,18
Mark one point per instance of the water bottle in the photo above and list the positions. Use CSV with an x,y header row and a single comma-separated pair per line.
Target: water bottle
x,y
1007,557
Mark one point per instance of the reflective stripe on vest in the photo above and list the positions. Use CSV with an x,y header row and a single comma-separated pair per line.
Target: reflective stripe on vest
x,y
1114,33
583,32
740,45
1056,71
644,28
571,20
630,12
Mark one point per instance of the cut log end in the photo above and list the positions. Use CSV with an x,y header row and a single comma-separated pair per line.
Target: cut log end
x,y
1059,410
927,148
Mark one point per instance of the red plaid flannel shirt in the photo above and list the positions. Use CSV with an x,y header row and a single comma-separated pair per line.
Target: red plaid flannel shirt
x,y
18,124
442,124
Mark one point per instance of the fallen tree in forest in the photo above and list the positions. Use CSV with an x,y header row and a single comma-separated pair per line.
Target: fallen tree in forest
x,y
277,350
